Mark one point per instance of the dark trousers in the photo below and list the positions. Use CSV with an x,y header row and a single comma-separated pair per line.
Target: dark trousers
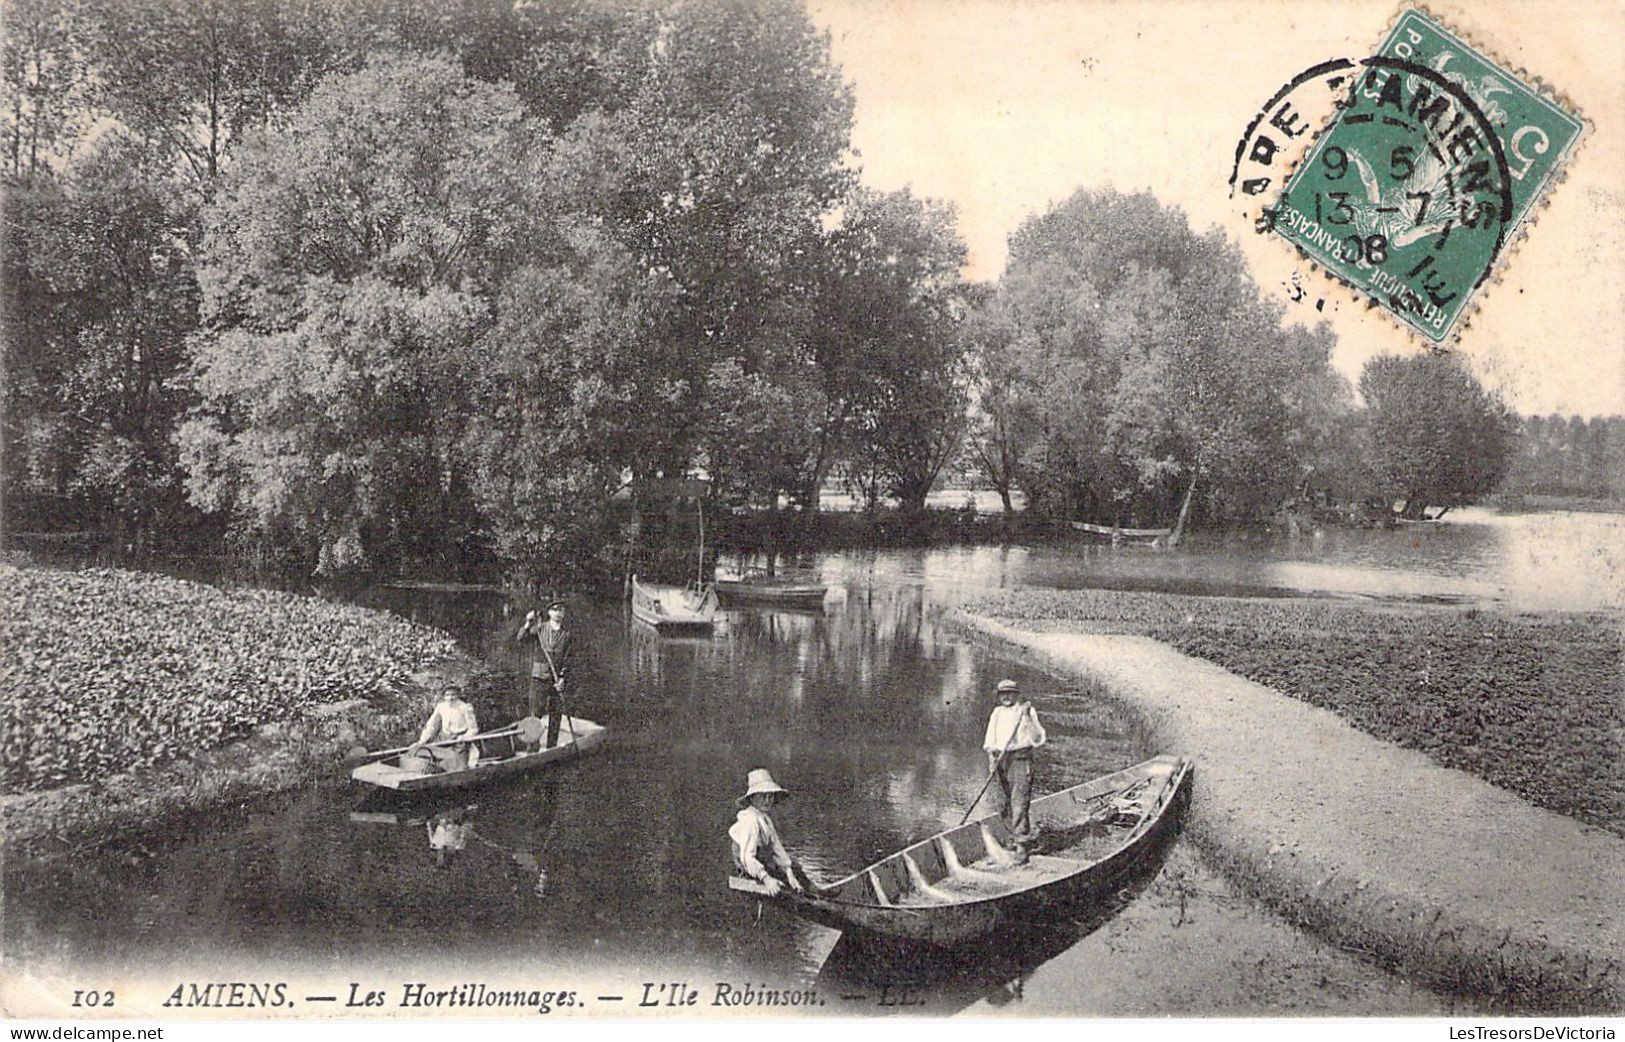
x,y
1015,776
544,700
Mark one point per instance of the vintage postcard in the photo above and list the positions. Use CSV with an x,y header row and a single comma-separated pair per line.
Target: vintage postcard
x,y
543,512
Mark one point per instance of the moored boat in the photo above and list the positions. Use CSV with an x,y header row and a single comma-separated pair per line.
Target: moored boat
x,y
502,754
674,609
756,586
965,883
1118,535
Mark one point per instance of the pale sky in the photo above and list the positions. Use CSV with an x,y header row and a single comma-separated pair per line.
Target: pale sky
x,y
1004,108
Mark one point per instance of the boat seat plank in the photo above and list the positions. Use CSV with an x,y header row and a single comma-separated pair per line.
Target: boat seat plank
x,y
928,860
991,879
966,842
963,882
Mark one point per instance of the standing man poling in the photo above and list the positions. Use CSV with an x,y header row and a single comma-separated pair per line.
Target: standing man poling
x,y
1013,732
549,666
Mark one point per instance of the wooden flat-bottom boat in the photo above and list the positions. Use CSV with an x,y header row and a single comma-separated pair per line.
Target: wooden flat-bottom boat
x,y
963,884
784,591
1150,536
674,609
502,755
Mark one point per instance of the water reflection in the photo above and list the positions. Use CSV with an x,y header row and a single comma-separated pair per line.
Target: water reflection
x,y
870,711
1528,562
922,980
517,822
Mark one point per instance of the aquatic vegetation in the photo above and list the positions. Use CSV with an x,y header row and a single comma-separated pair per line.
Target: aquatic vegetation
x,y
1530,703
103,671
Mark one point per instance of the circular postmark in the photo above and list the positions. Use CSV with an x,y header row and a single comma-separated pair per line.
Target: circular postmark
x,y
1405,193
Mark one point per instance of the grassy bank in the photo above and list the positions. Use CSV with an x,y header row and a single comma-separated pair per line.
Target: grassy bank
x,y
1528,703
104,672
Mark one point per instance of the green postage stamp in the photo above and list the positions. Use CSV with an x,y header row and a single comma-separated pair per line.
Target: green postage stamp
x,y
1435,157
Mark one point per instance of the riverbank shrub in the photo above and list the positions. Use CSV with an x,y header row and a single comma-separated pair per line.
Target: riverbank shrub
x,y
1529,703
104,671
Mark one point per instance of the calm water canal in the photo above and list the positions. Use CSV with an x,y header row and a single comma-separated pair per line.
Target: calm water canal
x,y
612,871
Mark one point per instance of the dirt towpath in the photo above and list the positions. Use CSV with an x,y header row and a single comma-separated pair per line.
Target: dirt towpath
x,y
1433,871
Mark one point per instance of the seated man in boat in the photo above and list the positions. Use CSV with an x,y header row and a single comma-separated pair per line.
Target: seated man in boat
x,y
452,718
758,852
1013,732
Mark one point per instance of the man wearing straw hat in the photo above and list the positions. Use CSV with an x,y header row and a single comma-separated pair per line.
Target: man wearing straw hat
x,y
758,851
1013,732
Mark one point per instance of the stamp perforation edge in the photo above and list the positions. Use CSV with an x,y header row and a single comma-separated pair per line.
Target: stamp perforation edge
x,y
1547,93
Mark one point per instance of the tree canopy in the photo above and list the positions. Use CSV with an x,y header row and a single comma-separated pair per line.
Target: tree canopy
x,y
1435,437
1126,358
367,282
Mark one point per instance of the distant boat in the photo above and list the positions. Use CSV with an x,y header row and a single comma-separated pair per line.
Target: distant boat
x,y
1117,535
674,609
756,586
502,755
1430,514
962,885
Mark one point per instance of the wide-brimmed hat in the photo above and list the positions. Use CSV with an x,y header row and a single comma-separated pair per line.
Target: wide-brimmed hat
x,y
759,781
1008,685
553,604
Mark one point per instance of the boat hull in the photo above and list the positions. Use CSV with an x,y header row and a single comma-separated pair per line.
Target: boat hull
x,y
804,596
668,627
1147,536
877,903
577,737
672,609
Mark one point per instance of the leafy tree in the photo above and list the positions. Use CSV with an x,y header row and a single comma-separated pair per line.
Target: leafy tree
x,y
994,357
894,306
1149,366
349,271
1435,437
612,258
1062,384
188,78
45,83
758,432
568,395
99,305
564,58
715,175
886,347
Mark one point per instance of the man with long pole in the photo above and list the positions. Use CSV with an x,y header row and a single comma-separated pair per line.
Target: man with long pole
x,y
550,665
1013,732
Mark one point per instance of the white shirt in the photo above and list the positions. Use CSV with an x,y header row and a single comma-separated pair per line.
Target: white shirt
x,y
753,834
448,835
452,718
1022,720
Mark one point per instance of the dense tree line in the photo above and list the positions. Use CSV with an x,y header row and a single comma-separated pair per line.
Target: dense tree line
x,y
362,282
366,280
1128,365
1569,456
1128,372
